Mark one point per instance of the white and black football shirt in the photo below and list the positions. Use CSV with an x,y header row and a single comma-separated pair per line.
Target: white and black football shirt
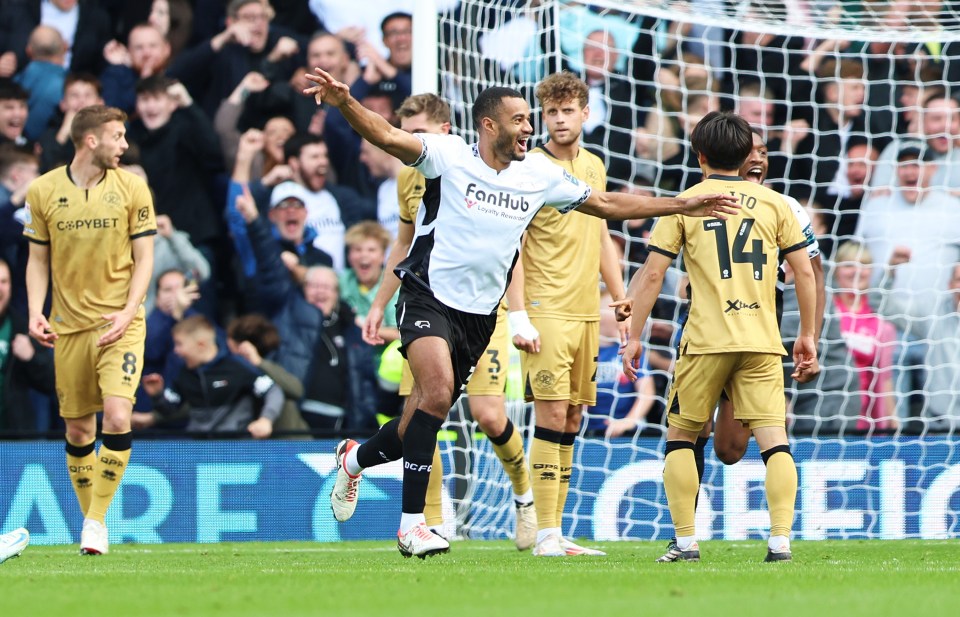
x,y
471,219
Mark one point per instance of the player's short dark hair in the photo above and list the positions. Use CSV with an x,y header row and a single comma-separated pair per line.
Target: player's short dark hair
x,y
295,145
90,119
12,91
391,17
723,138
561,87
489,101
256,329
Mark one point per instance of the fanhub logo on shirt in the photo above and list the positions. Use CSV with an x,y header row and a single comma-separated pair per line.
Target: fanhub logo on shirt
x,y
738,305
501,199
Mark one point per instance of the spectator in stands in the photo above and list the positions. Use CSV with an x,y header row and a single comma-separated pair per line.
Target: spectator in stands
x,y
615,108
147,53
181,154
817,163
285,98
174,20
868,336
367,244
56,148
13,114
330,208
665,136
217,391
391,73
226,120
256,340
756,104
622,406
24,364
775,58
212,69
841,210
925,220
82,23
173,251
316,328
383,169
940,131
288,214
329,399
43,78
174,295
911,94
17,170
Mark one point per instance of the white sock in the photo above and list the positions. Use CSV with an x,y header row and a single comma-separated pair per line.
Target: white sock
x,y
542,534
684,543
409,521
350,463
525,498
777,542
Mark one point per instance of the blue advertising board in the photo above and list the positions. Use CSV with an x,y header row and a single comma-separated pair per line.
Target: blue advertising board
x,y
213,491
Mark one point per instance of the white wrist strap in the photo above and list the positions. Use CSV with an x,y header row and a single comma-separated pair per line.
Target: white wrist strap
x,y
520,325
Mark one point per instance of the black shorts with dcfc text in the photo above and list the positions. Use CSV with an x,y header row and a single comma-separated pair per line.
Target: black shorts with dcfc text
x,y
420,314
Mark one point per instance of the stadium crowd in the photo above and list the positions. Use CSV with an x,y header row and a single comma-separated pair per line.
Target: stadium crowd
x,y
275,219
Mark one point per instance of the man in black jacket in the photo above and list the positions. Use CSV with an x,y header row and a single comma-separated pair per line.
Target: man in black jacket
x,y
212,69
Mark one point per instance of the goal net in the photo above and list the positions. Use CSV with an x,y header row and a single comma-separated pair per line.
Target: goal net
x,y
856,103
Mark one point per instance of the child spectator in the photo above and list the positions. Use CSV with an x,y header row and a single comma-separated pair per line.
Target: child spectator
x,y
220,392
870,338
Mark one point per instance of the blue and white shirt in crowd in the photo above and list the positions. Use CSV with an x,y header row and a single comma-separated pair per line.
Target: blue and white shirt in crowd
x,y
472,217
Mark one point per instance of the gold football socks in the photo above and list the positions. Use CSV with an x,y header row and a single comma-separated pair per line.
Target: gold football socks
x,y
80,464
781,485
681,486
111,463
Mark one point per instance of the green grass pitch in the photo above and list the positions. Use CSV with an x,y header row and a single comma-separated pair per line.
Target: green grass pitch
x,y
850,578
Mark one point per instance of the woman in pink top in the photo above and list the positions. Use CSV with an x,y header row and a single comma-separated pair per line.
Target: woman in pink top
x,y
869,338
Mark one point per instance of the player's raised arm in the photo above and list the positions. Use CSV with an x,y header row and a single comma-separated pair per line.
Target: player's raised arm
x,y
370,125
623,206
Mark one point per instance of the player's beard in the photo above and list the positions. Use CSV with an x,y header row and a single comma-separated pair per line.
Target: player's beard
x,y
104,160
506,146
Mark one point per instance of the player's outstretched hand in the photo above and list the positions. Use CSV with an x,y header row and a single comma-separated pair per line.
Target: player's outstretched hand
x,y
371,326
631,359
41,331
328,89
119,321
715,205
